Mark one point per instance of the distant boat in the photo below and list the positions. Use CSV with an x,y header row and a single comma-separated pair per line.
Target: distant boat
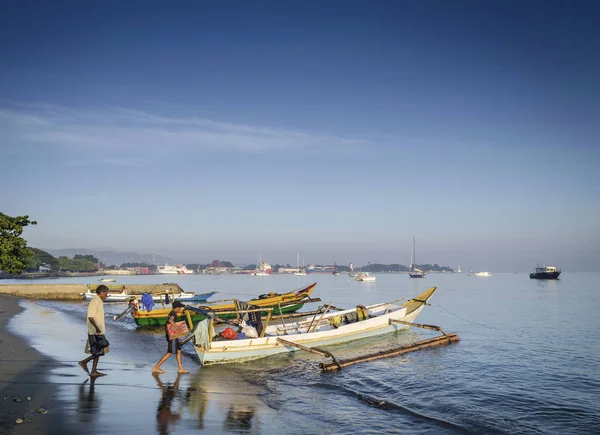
x,y
458,269
413,272
300,272
108,280
483,274
545,272
335,271
178,269
365,276
262,268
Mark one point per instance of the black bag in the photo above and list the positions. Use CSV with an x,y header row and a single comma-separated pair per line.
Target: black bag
x,y
101,341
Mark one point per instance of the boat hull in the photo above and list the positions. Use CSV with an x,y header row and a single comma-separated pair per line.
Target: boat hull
x,y
544,275
150,320
416,275
250,349
183,297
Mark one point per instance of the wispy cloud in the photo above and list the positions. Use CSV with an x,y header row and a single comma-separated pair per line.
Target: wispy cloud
x,y
130,132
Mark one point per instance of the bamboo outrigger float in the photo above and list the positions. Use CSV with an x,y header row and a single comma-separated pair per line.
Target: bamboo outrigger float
x,y
325,328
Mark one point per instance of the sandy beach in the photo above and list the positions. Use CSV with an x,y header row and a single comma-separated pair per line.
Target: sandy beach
x,y
23,375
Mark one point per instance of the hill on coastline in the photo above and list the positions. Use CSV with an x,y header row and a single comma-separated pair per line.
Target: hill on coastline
x,y
110,257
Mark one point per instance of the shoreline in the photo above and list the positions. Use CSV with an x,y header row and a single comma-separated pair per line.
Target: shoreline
x,y
24,373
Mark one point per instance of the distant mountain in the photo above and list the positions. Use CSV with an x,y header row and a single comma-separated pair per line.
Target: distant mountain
x,y
109,257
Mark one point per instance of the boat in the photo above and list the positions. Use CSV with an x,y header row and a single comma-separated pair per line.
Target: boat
x,y
262,268
458,269
330,328
108,280
545,272
282,303
483,274
413,271
123,296
365,276
178,269
300,272
335,271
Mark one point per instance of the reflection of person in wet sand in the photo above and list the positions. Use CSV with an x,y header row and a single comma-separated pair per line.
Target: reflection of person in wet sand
x,y
88,403
164,415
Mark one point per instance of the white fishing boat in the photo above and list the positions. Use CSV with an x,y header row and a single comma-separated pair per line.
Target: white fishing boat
x,y
483,274
325,329
108,280
458,270
365,276
178,269
123,296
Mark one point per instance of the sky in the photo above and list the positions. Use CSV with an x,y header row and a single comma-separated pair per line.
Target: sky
x,y
338,129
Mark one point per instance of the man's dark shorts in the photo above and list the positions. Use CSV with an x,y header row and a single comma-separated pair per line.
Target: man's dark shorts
x,y
174,346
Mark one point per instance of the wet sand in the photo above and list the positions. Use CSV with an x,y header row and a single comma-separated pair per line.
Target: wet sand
x,y
24,373
129,399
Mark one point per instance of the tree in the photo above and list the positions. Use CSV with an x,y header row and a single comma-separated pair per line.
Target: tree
x,y
14,254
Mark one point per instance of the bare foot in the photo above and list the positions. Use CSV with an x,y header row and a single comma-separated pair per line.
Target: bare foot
x,y
183,371
159,371
84,367
97,374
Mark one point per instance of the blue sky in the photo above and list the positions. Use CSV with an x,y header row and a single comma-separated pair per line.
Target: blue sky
x,y
337,129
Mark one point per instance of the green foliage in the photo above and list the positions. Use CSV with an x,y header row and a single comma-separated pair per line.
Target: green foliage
x,y
76,265
86,257
14,254
45,259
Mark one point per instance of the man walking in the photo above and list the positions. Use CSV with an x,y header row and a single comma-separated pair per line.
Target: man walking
x,y
96,330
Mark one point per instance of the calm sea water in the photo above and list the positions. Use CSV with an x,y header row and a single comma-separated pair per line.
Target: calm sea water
x,y
527,362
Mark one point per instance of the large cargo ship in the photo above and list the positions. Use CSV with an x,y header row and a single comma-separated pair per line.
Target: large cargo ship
x,y
178,269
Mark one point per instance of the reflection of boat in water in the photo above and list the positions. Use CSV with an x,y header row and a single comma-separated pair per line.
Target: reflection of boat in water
x,y
330,328
365,276
285,303
545,272
483,274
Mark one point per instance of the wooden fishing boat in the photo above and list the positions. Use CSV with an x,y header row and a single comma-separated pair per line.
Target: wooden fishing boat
x,y
123,296
327,329
281,303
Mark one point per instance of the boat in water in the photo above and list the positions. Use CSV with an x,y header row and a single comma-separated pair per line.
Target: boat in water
x,y
281,303
262,268
545,272
178,269
124,296
329,328
335,271
108,280
413,271
484,274
365,276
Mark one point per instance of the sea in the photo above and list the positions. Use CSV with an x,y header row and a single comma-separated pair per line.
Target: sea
x,y
527,363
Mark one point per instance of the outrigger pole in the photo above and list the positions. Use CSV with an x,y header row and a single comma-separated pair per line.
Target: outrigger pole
x,y
411,347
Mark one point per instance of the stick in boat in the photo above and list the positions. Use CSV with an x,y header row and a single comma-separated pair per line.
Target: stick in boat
x,y
318,321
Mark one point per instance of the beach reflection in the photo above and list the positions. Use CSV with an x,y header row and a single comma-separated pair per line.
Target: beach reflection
x,y
165,415
220,388
88,403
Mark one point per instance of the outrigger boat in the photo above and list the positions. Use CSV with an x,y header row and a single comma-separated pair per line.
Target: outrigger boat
x,y
121,295
280,303
325,329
